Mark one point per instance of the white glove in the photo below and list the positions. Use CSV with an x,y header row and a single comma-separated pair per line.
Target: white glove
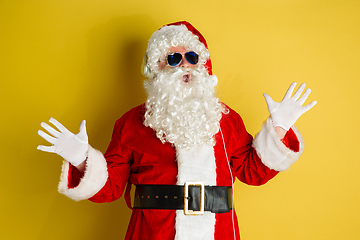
x,y
73,148
285,113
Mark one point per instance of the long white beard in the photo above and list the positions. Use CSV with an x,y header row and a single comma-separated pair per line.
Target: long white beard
x,y
184,114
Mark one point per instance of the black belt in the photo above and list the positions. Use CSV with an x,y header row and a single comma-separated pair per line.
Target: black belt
x,y
216,199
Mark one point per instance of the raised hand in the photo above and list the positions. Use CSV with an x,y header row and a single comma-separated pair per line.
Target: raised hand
x,y
285,113
73,148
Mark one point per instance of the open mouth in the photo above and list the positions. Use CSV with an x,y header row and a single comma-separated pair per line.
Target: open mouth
x,y
186,77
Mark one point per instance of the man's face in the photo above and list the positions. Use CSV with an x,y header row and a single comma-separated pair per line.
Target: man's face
x,y
182,106
183,64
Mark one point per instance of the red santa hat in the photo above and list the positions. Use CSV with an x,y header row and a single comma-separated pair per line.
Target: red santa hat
x,y
176,34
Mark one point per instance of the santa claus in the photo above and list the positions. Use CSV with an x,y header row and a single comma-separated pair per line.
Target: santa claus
x,y
182,149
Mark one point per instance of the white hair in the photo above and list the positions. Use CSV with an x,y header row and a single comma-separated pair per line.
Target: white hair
x,y
183,114
173,36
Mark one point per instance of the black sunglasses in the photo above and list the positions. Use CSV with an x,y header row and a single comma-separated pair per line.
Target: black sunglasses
x,y
175,59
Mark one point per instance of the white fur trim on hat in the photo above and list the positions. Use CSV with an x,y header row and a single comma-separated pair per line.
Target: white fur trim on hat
x,y
94,179
172,36
272,151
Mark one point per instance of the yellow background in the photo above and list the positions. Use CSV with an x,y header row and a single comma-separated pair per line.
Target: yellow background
x,y
74,60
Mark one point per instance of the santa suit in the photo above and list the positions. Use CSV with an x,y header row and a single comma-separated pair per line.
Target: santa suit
x,y
137,156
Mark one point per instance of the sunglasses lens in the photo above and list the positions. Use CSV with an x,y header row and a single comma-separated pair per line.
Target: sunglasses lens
x,y
174,59
191,57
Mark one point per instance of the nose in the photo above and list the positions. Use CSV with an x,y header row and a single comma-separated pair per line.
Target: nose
x,y
185,64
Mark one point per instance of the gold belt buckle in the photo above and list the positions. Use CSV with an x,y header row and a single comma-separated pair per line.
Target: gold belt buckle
x,y
186,195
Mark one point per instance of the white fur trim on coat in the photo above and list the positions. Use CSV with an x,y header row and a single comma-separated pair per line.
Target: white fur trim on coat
x,y
94,179
196,164
272,151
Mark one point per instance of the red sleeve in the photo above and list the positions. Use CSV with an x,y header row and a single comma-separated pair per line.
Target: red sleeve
x,y
245,162
74,177
118,168
291,141
248,166
118,163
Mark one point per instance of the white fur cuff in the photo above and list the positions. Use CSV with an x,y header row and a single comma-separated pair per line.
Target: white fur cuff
x,y
94,179
272,151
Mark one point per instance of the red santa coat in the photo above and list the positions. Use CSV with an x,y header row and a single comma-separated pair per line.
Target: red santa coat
x,y
137,156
